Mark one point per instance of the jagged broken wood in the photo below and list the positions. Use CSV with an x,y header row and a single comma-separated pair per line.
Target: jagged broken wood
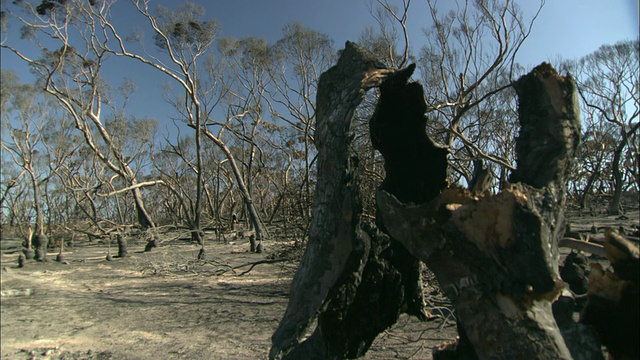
x,y
354,279
496,257
613,308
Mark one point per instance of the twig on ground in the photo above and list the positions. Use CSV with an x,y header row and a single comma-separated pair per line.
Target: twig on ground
x,y
253,264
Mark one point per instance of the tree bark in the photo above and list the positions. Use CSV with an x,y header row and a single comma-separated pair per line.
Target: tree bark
x,y
496,257
122,246
616,196
351,277
254,217
40,241
144,219
613,305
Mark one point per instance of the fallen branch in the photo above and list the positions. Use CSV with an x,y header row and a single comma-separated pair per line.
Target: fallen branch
x,y
132,187
252,265
582,245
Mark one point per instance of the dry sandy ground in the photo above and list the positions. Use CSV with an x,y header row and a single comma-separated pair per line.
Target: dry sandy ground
x,y
164,305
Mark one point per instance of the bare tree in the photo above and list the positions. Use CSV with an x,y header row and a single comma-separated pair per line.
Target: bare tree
x,y
609,84
469,56
185,38
302,55
72,75
385,41
247,62
27,112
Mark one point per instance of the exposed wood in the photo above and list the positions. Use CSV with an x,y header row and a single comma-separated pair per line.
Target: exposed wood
x,y
613,307
132,187
496,257
581,245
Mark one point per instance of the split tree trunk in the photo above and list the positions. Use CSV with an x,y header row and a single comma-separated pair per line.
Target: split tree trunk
x,y
496,257
352,278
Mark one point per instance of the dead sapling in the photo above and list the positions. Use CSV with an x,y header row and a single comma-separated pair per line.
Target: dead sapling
x,y
22,261
201,253
109,257
29,253
60,256
252,243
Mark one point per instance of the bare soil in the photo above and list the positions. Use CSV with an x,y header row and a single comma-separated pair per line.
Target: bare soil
x,y
165,304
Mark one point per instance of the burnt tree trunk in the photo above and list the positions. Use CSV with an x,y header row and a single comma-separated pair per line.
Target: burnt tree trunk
x,y
353,278
122,246
612,307
496,257
40,242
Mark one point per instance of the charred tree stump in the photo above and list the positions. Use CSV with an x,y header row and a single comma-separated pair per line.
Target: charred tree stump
x,y
352,278
40,241
21,261
252,243
152,244
122,246
496,257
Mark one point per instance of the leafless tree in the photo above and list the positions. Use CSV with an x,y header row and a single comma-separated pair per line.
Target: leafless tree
x,y
469,56
609,84
385,41
28,115
301,55
73,48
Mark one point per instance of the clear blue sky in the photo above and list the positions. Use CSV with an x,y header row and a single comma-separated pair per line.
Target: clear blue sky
x,y
565,28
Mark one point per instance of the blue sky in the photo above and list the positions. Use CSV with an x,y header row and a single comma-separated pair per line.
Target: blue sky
x,y
565,28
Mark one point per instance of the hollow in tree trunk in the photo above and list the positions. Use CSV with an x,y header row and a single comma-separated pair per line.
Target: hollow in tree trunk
x,y
353,278
496,257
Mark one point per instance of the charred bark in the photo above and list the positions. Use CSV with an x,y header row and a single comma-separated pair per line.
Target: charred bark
x,y
40,242
22,261
613,303
496,257
352,278
122,246
152,244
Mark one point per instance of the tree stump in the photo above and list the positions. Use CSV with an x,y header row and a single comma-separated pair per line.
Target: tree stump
x,y
40,241
151,244
252,243
353,278
496,257
21,261
122,246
